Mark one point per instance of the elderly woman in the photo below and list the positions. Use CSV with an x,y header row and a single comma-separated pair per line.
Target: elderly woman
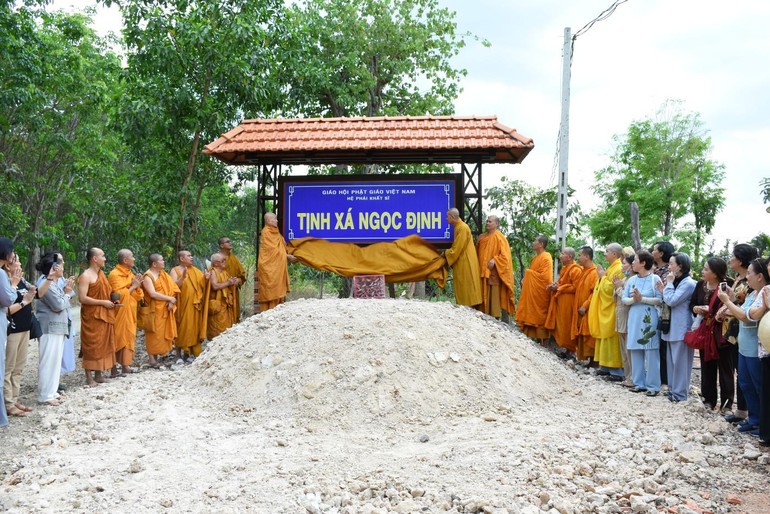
x,y
642,294
749,367
7,297
716,359
20,317
621,317
677,292
52,314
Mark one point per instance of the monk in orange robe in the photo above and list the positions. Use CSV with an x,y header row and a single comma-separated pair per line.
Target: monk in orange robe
x,y
97,319
559,319
601,316
272,268
190,321
129,286
584,288
496,265
163,293
235,270
219,302
535,298
464,262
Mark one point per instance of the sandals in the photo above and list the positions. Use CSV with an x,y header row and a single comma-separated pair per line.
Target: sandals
x,y
51,403
23,407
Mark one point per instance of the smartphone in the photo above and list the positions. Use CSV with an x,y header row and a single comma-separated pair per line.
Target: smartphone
x,y
723,286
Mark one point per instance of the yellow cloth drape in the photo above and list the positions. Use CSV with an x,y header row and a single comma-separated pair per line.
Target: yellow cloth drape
x,y
120,279
410,259
464,261
190,322
97,328
161,341
559,319
533,302
495,246
601,319
219,306
235,269
272,269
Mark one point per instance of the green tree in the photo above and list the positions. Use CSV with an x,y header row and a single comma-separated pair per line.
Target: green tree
x,y
194,68
57,153
526,212
663,165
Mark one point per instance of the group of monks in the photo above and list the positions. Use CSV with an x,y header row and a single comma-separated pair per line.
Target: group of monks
x,y
180,309
578,310
177,310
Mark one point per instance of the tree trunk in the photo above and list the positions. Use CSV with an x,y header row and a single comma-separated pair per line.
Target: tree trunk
x,y
635,241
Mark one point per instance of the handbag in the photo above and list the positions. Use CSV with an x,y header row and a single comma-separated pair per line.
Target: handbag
x,y
145,317
35,330
699,337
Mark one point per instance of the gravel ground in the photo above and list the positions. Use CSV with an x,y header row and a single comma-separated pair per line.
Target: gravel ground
x,y
373,406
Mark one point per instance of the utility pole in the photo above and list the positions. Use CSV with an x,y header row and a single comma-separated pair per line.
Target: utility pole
x,y
561,207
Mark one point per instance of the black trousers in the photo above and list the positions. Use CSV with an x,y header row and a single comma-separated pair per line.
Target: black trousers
x,y
724,369
764,401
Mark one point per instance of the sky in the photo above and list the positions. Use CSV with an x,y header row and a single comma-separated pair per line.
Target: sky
x,y
711,55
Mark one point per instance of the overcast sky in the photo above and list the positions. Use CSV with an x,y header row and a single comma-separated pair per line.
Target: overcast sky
x,y
711,55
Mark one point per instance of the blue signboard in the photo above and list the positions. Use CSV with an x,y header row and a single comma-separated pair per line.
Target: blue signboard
x,y
368,209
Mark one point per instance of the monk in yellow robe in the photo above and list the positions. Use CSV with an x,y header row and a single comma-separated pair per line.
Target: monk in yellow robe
x,y
190,321
129,286
464,262
235,270
272,268
562,305
219,302
535,298
97,319
601,316
496,265
163,293
580,332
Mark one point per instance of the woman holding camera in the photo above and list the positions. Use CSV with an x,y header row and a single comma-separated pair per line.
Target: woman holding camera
x,y
716,359
52,314
749,367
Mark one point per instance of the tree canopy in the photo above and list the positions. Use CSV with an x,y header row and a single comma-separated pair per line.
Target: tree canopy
x,y
663,165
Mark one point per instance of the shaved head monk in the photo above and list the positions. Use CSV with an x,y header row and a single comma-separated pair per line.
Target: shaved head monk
x,y
129,286
235,270
559,320
584,290
535,297
496,267
219,302
190,322
97,319
163,293
464,262
601,315
272,268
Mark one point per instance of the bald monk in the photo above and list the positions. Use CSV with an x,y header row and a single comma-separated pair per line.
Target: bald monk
x,y
163,293
97,319
219,301
496,265
535,298
559,319
601,316
234,270
584,289
190,322
464,262
129,286
272,269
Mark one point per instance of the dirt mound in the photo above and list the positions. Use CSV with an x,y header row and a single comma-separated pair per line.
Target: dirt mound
x,y
351,361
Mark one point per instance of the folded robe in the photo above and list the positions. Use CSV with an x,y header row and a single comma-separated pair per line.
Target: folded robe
x,y
409,259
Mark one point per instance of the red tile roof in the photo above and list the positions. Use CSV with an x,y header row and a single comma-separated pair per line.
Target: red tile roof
x,y
383,140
